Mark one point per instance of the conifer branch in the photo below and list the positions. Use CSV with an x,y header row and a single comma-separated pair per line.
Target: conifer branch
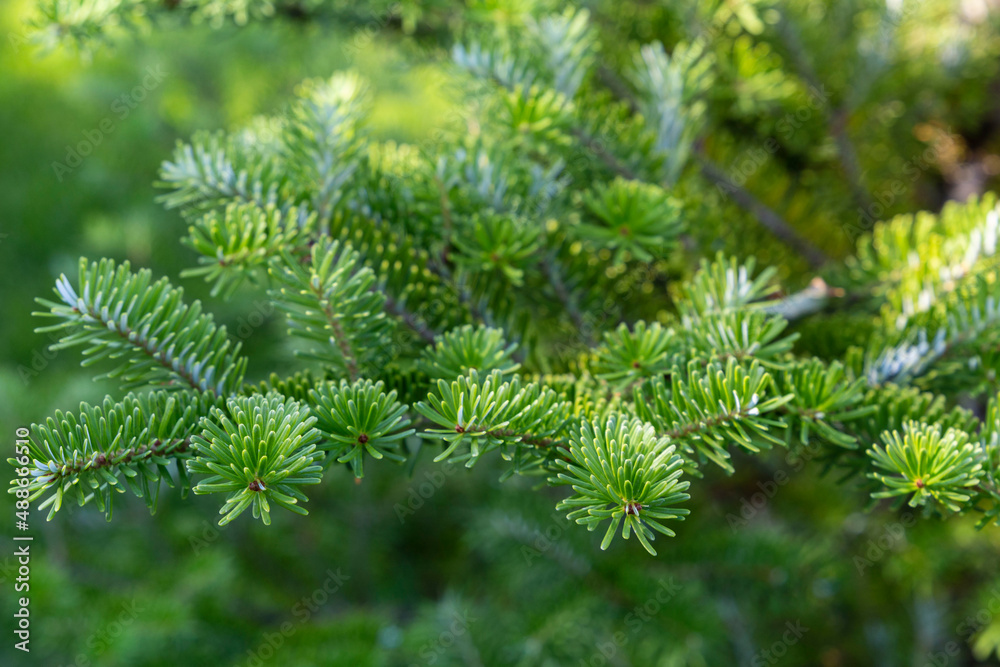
x,y
705,410
87,453
124,456
163,340
561,203
771,221
329,302
212,171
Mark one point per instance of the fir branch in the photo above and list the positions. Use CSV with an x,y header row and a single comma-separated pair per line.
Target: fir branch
x,y
329,302
163,340
88,452
322,142
213,171
488,412
469,348
969,314
73,467
706,410
928,463
621,472
238,243
360,419
258,450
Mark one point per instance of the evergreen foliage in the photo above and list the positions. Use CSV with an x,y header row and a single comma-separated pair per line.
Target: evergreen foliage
x,y
523,285
640,268
260,448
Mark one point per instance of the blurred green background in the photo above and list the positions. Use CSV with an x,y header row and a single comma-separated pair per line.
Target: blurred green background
x,y
477,573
